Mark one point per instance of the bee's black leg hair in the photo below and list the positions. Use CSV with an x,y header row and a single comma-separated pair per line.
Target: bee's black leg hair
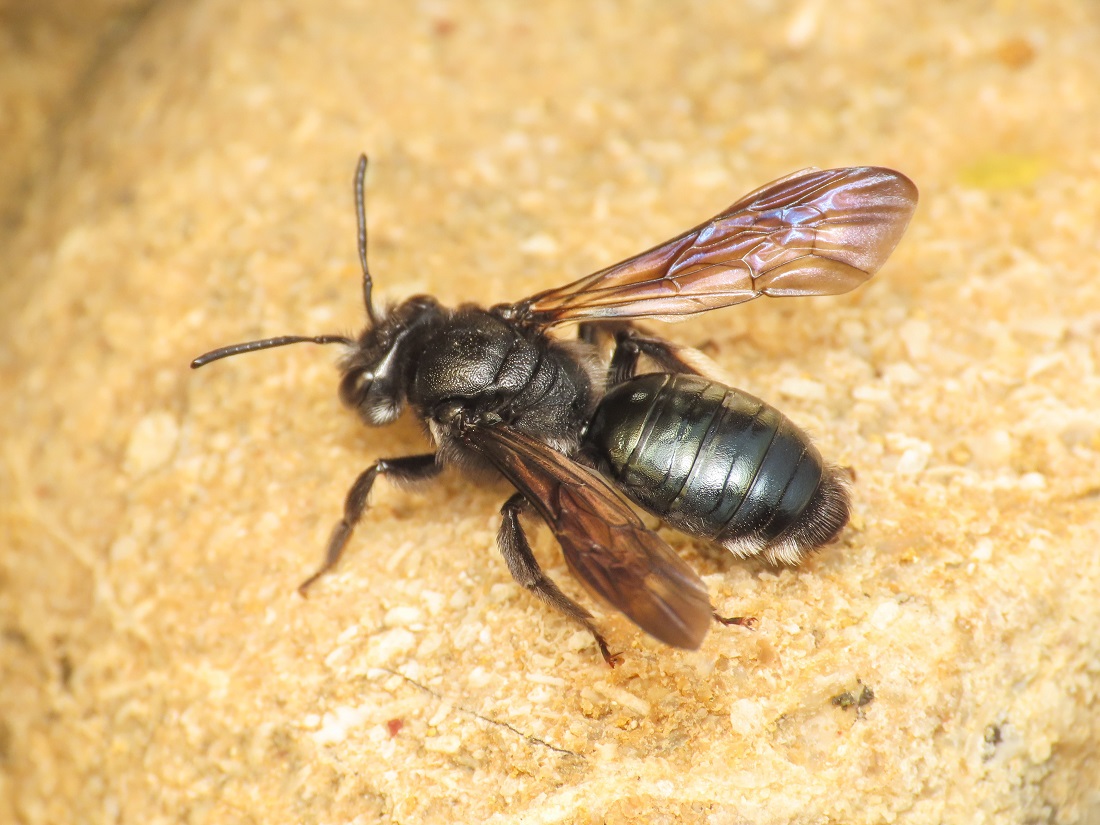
x,y
526,571
631,343
407,468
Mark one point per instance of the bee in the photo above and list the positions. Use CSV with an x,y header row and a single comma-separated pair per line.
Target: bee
x,y
574,434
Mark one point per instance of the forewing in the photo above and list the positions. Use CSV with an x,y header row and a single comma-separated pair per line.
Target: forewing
x,y
812,233
606,545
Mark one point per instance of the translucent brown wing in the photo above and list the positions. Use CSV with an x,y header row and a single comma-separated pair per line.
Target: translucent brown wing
x,y
812,233
606,545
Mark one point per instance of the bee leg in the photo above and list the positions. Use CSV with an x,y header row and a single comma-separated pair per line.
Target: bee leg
x,y
747,622
407,468
589,333
599,333
631,343
526,571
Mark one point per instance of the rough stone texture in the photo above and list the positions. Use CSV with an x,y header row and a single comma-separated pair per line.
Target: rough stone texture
x,y
156,662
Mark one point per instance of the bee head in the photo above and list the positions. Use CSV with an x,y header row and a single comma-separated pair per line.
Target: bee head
x,y
377,370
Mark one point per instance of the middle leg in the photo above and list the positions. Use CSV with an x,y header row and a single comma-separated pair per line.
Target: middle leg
x,y
526,571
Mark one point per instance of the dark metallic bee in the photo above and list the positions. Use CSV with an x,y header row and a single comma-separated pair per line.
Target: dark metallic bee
x,y
496,390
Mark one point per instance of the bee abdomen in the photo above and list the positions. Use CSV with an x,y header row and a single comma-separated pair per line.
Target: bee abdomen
x,y
718,463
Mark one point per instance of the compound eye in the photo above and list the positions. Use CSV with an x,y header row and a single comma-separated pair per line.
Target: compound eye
x,y
355,387
377,398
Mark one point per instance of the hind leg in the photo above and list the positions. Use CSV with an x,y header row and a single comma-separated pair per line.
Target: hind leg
x,y
631,343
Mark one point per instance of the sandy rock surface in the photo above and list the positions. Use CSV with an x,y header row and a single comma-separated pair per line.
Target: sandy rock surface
x,y
178,177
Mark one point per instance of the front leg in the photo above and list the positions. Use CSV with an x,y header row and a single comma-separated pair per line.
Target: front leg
x,y
526,571
407,468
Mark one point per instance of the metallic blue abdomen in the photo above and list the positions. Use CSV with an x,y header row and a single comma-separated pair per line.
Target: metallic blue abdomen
x,y
708,459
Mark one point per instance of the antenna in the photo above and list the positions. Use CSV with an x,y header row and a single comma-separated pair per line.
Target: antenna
x,y
361,215
268,343
284,340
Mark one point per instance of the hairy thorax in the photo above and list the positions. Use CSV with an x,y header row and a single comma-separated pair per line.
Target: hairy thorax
x,y
478,368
